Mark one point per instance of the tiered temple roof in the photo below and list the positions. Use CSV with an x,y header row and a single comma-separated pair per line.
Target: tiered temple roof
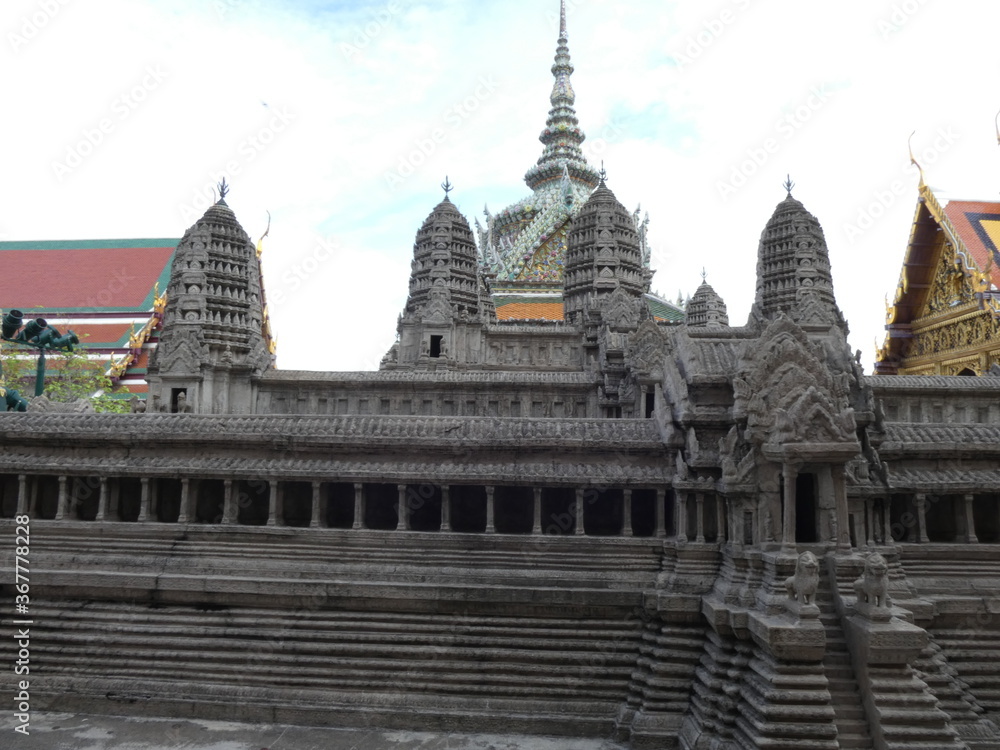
x,y
106,291
524,246
945,317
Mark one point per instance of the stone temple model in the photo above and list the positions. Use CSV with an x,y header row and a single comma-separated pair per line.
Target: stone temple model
x,y
700,535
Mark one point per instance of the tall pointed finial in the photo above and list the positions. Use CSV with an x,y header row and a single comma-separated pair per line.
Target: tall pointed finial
x,y
447,186
789,185
223,191
603,174
913,159
562,21
704,274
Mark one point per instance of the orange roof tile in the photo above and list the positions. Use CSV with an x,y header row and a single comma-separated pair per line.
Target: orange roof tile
x,y
531,311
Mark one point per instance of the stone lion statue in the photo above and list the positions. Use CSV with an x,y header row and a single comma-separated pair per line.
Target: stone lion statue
x,y
872,587
802,586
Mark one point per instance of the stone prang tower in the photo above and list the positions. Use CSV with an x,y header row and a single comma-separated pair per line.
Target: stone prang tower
x,y
212,352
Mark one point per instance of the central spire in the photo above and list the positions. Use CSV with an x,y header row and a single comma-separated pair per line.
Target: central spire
x,y
562,136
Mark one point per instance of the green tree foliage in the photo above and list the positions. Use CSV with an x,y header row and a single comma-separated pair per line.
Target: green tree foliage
x,y
68,376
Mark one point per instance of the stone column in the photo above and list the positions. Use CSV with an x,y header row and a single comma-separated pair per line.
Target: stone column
x,y
144,501
627,513
840,498
722,533
870,521
359,506
446,507
491,511
681,515
22,495
63,499
970,521
580,531
227,503
182,516
699,502
274,508
403,515
102,500
922,517
661,512
315,521
788,521
537,508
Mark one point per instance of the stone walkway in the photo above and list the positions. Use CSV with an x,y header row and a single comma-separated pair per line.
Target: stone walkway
x,y
53,731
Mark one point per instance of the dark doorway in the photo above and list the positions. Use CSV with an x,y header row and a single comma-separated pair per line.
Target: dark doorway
x,y
9,489
296,503
806,530
515,510
423,504
339,499
168,500
468,508
559,510
381,501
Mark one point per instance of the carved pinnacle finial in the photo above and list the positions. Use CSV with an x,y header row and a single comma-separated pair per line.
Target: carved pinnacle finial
x,y
603,174
562,19
223,190
447,186
789,185
913,159
704,274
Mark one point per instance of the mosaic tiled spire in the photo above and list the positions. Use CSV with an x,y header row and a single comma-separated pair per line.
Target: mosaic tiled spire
x,y
562,136
527,241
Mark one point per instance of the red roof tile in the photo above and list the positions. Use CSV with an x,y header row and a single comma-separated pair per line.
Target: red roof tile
x,y
978,226
72,277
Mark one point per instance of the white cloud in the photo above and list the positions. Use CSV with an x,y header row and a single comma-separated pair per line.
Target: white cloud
x,y
677,96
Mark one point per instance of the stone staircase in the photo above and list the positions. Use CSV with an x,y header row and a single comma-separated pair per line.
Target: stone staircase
x,y
848,709
349,668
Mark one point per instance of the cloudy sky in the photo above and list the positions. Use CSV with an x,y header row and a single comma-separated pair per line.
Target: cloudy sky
x,y
343,118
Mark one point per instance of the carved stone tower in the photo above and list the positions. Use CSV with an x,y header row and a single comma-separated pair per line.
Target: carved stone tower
x,y
449,300
706,309
212,351
604,263
793,269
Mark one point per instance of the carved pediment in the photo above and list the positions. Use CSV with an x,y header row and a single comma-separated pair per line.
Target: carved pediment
x,y
647,347
620,310
438,309
180,351
789,394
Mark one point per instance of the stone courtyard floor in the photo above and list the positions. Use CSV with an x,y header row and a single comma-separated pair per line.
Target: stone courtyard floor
x,y
55,731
